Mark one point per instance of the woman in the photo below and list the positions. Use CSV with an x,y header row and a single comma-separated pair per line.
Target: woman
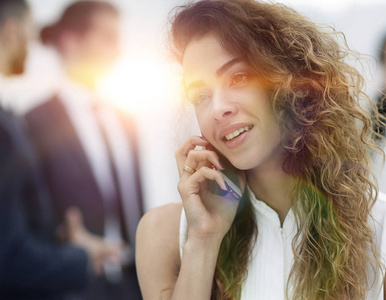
x,y
274,96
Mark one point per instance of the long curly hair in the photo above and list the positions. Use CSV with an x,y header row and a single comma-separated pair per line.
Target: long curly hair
x,y
327,137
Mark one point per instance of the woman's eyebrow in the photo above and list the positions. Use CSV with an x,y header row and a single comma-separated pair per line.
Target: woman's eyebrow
x,y
220,71
195,84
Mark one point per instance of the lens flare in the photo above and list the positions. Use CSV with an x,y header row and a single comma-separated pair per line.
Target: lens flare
x,y
140,84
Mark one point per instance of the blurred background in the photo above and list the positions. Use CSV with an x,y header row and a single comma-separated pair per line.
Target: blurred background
x,y
146,81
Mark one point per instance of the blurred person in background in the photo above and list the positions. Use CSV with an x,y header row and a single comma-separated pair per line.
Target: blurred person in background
x,y
34,263
88,148
380,118
381,104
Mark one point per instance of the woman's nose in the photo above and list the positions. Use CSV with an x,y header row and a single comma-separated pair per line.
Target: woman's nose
x,y
222,105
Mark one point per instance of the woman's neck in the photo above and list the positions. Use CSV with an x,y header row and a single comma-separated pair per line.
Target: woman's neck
x,y
273,186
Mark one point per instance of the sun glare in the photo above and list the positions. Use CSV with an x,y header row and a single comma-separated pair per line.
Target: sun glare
x,y
141,84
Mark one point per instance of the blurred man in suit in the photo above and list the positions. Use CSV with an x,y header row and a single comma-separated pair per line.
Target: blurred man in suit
x,y
34,264
380,98
88,148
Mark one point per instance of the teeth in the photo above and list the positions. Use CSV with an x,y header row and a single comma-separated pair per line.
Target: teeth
x,y
237,132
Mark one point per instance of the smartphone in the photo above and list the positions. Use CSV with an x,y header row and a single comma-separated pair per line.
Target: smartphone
x,y
232,181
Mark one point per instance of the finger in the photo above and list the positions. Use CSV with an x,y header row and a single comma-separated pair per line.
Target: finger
x,y
206,173
200,158
117,248
192,185
191,144
114,259
204,164
185,148
112,254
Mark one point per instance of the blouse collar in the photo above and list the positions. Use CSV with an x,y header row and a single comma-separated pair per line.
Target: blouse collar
x,y
266,214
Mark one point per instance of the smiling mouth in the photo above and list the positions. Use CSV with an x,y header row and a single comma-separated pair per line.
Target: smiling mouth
x,y
235,134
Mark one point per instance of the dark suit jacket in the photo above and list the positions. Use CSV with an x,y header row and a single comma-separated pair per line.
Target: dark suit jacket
x,y
69,175
381,105
68,172
32,264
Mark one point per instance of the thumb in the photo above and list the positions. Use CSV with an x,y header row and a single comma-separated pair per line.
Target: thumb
x,y
74,219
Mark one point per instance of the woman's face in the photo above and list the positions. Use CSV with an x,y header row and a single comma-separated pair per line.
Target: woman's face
x,y
234,112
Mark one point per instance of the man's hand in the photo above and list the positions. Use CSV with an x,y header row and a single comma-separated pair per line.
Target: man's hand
x,y
97,248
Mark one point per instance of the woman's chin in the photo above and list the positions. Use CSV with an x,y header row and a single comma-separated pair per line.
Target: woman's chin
x,y
241,165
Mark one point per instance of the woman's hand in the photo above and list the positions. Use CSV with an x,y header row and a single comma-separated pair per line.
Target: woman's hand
x,y
209,216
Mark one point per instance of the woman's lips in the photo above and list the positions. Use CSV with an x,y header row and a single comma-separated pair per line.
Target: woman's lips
x,y
224,131
239,139
237,132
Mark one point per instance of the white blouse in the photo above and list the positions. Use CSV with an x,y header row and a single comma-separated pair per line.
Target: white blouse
x,y
272,256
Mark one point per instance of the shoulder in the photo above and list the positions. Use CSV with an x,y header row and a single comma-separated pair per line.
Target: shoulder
x,y
47,120
6,120
47,108
164,219
158,232
157,250
10,133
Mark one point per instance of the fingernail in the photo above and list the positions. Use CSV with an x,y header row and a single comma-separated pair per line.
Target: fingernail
x,y
223,186
203,138
221,165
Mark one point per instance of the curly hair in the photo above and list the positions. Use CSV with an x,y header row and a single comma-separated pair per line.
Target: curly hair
x,y
327,137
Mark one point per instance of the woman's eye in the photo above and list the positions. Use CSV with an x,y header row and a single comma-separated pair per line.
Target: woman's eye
x,y
198,98
239,79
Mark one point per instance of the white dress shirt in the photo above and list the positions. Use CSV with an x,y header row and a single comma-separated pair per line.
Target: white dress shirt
x,y
78,103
